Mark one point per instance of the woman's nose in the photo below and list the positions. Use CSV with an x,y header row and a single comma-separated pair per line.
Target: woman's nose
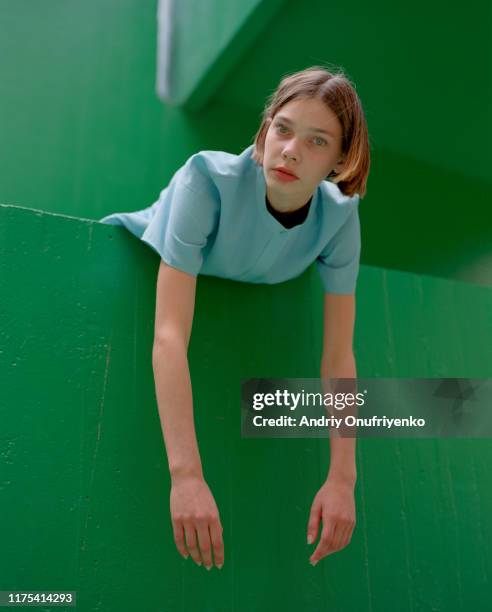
x,y
291,152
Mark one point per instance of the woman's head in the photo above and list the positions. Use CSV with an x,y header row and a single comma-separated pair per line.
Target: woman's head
x,y
315,98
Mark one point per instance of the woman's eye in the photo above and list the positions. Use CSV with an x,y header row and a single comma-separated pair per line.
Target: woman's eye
x,y
317,139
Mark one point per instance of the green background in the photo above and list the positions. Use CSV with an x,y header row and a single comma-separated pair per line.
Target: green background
x,y
84,133
84,485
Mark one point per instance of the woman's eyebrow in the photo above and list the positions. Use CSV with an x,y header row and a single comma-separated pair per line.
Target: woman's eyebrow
x,y
312,129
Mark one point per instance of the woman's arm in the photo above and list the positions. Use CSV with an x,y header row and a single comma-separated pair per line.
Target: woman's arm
x,y
338,362
334,503
175,303
193,508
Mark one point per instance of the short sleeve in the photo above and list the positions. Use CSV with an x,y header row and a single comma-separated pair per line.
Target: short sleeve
x,y
186,215
338,263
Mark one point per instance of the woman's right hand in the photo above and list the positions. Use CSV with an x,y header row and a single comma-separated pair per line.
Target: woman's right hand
x,y
196,522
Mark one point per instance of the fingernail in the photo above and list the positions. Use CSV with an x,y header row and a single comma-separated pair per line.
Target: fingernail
x,y
313,563
310,539
209,567
199,562
219,566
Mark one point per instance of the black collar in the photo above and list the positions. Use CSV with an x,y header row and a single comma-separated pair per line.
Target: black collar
x,y
292,218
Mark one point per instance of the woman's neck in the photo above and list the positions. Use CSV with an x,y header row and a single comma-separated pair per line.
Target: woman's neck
x,y
286,204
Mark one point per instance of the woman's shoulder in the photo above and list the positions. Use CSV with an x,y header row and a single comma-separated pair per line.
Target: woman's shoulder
x,y
220,164
332,195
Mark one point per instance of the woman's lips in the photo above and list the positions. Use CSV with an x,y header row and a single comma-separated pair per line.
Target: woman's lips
x,y
283,176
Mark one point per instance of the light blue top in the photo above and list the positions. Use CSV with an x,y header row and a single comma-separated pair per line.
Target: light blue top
x,y
212,219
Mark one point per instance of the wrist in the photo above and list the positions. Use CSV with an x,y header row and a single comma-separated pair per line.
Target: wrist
x,y
343,478
184,472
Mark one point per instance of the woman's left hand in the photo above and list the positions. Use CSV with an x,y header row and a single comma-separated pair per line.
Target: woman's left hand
x,y
335,504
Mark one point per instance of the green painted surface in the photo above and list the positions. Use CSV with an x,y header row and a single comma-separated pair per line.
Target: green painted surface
x,y
84,133
84,484
208,40
426,99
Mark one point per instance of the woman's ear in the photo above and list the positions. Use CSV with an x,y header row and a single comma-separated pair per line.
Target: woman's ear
x,y
340,165
337,168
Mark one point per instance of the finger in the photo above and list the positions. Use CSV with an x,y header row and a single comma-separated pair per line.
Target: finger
x,y
179,538
313,523
204,542
339,532
325,544
191,541
347,535
322,551
217,543
339,539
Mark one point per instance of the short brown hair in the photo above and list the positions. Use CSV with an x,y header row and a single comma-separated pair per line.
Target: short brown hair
x,y
338,93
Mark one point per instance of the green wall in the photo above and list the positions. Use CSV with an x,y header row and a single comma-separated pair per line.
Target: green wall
x,y
424,73
201,58
84,485
85,134
84,482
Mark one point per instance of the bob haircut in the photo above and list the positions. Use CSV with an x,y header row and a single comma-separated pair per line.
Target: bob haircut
x,y
338,93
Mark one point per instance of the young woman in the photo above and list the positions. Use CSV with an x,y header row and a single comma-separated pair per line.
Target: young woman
x,y
294,195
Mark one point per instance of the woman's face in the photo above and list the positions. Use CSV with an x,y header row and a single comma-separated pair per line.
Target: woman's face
x,y
305,136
